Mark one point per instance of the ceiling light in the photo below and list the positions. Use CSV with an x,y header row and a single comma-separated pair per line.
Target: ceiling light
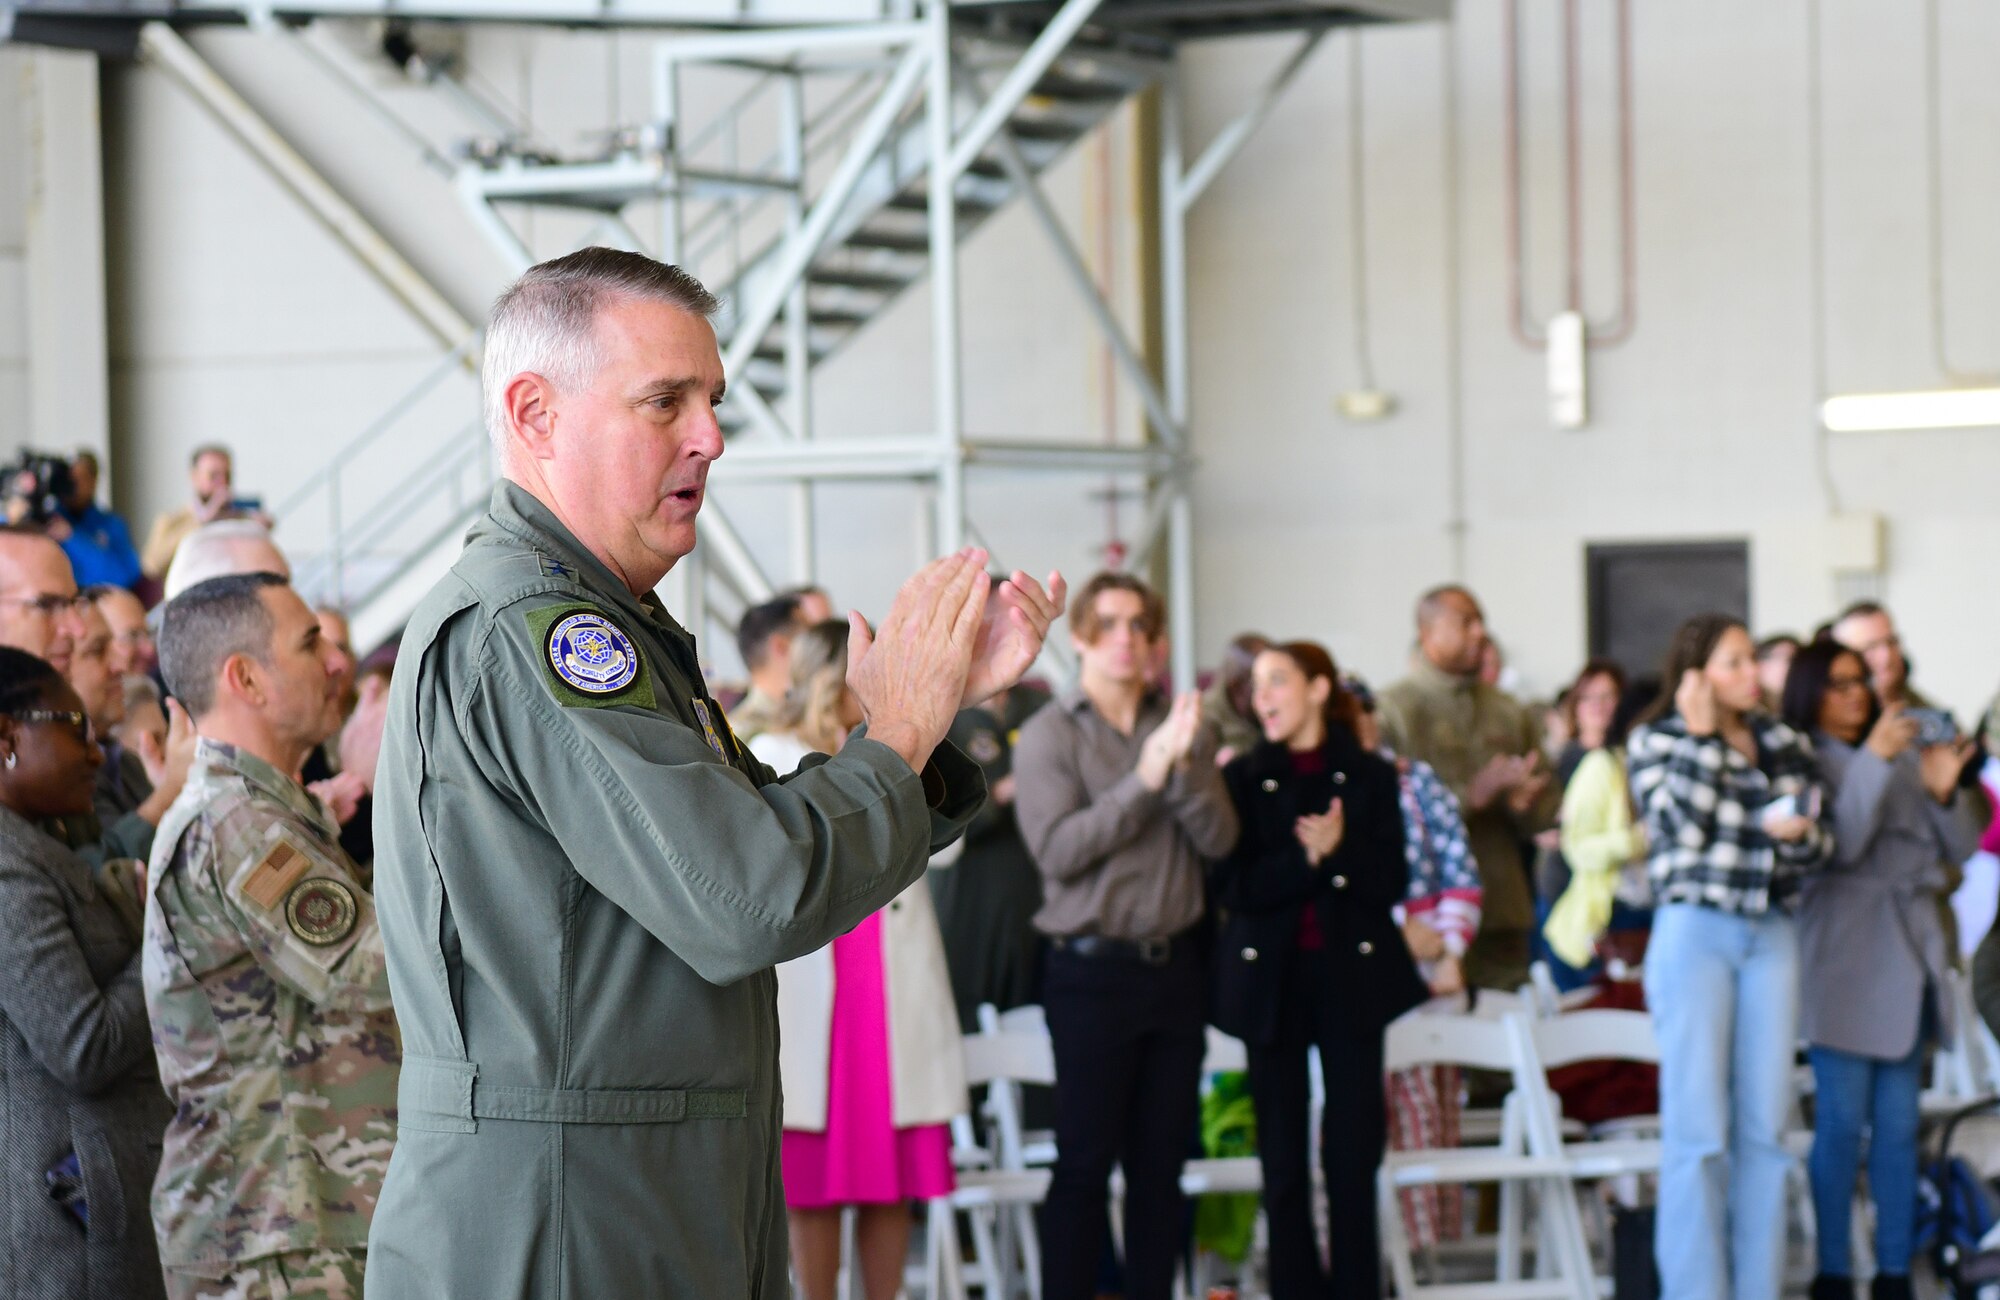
x,y
1942,408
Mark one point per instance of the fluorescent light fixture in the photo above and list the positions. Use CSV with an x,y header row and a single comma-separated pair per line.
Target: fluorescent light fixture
x,y
1942,408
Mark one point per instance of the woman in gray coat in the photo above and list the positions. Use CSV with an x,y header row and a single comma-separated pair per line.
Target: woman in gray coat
x,y
1872,953
81,1108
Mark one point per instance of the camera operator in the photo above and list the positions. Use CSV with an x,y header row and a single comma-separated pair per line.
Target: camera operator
x,y
98,543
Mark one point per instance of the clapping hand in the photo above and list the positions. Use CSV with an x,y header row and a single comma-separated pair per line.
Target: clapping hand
x,y
1171,742
1527,790
1320,835
910,673
1504,774
1012,626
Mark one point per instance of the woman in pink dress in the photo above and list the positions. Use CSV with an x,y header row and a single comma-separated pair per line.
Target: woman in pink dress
x,y
869,1053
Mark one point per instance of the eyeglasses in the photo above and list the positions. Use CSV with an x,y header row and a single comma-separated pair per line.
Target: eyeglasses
x,y
1846,683
76,719
47,605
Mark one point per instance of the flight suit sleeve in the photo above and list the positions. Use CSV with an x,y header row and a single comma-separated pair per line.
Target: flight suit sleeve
x,y
732,876
305,919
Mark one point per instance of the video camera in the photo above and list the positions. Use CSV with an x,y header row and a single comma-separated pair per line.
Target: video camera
x,y
40,479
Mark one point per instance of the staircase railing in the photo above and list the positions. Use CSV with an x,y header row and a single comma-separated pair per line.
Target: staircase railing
x,y
337,522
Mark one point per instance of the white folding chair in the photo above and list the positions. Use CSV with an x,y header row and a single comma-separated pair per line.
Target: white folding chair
x,y
1528,1152
1626,1148
996,1191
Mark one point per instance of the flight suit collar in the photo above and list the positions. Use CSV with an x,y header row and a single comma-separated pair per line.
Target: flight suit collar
x,y
518,512
213,758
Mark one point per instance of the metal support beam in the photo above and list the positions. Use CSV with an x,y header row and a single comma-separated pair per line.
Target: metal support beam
x,y
1078,274
1186,189
947,403
798,316
160,45
1014,87
1174,330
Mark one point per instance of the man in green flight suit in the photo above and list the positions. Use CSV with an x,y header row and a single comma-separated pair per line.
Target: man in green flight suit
x,y
583,881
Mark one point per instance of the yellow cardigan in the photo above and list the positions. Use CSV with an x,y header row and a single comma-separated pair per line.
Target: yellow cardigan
x,y
1599,838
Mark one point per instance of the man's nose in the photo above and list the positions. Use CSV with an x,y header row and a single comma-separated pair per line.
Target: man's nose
x,y
705,437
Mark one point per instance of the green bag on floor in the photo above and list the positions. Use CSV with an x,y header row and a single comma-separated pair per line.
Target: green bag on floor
x,y
1225,1224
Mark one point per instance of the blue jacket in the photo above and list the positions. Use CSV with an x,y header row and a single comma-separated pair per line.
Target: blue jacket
x,y
100,548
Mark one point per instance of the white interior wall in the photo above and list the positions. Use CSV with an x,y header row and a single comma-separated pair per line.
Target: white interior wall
x,y
236,318
14,91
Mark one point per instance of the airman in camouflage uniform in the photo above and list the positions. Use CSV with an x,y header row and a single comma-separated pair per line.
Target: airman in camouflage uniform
x,y
269,995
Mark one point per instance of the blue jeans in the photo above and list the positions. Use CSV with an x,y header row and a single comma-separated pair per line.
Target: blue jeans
x,y
1852,1093
1723,991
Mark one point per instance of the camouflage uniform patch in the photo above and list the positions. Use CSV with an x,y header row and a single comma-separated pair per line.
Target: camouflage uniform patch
x,y
308,1275
269,996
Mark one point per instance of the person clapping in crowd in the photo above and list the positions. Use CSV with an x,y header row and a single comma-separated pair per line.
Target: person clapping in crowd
x,y
1120,800
1731,806
82,1109
866,1032
1487,747
1310,957
1873,952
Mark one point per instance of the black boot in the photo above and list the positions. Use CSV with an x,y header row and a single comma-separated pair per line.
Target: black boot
x,y
1827,1286
1890,1286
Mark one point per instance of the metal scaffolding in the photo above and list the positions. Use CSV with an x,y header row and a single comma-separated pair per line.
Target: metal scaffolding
x,y
955,120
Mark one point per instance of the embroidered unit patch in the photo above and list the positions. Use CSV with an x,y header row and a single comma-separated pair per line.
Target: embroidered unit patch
x,y
592,654
321,911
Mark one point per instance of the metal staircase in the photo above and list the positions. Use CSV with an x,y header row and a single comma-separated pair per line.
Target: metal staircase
x,y
895,130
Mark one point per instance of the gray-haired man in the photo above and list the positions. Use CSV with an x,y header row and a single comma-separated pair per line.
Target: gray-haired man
x,y
584,880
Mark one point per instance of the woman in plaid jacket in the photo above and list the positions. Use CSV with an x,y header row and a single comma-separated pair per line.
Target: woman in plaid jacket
x,y
1733,812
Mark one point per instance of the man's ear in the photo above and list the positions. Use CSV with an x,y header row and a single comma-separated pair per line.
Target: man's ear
x,y
529,404
242,678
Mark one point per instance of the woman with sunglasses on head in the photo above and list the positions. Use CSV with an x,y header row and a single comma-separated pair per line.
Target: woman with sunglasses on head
x,y
1873,952
83,1111
1732,807
1310,957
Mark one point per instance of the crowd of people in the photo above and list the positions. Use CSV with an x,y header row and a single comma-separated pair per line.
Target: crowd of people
x,y
1756,844
241,882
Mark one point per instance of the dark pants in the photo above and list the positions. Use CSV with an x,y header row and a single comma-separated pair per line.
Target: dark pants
x,y
1352,1138
1129,1042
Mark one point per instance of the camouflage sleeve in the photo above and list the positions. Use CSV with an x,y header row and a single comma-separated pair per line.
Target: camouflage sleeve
x,y
305,919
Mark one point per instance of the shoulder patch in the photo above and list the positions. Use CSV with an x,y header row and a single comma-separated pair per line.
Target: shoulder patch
x,y
274,874
588,660
321,911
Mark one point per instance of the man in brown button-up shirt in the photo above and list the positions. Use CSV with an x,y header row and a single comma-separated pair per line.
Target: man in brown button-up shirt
x,y
1119,801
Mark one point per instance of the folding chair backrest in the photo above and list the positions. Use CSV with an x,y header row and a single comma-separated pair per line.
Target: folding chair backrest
x,y
1029,1019
1541,991
1009,1057
1224,1053
1426,1038
1595,1035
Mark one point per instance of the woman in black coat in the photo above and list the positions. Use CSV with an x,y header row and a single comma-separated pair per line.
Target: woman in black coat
x,y
81,1108
1310,956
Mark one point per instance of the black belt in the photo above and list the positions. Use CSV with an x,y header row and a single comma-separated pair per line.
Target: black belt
x,y
1149,952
